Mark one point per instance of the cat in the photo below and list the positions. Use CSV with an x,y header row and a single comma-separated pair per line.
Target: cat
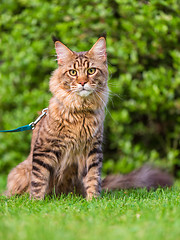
x,y
66,149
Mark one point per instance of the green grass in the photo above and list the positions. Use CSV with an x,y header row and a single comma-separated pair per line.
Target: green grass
x,y
133,214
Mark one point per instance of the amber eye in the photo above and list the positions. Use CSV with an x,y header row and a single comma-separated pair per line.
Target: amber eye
x,y
91,71
73,72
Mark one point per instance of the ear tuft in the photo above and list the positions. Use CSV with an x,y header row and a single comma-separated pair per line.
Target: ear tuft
x,y
99,49
54,38
63,52
103,34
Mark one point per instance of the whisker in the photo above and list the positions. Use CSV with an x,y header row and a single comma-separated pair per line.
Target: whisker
x,y
109,96
113,84
112,94
105,106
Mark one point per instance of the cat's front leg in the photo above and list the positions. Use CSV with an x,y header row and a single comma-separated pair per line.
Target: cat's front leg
x,y
92,180
43,166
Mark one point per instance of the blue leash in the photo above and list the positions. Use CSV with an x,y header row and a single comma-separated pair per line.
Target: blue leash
x,y
19,129
29,126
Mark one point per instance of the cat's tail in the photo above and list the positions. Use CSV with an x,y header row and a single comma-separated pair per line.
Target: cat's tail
x,y
145,177
19,179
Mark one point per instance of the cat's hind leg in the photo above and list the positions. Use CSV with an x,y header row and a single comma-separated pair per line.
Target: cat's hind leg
x,y
18,181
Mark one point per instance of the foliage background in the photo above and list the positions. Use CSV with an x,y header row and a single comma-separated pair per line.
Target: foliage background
x,y
143,117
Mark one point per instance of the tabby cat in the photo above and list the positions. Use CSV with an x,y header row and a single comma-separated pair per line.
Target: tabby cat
x,y
66,150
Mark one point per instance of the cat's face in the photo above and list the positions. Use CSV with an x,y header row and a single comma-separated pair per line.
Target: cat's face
x,y
81,76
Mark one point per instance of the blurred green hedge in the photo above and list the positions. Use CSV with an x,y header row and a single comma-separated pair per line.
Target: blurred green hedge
x,y
143,116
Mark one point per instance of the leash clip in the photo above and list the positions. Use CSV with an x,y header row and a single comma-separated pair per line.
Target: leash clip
x,y
44,112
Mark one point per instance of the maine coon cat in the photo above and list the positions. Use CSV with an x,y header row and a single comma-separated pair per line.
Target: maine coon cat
x,y
66,149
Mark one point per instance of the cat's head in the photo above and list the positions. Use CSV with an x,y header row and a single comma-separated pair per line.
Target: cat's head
x,y
81,77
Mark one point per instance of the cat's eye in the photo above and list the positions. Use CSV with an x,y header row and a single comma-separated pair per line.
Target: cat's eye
x,y
91,71
73,72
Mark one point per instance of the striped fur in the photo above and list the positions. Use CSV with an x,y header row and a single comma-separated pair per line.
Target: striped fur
x,y
66,148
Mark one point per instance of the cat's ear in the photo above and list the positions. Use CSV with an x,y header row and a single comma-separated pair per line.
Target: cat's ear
x,y
99,49
62,52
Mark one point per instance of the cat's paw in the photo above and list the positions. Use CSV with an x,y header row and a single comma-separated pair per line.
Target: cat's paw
x,y
91,196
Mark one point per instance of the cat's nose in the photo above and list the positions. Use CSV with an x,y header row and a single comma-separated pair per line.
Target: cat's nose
x,y
82,82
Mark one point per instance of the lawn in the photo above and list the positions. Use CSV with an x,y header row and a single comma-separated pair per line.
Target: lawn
x,y
133,214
